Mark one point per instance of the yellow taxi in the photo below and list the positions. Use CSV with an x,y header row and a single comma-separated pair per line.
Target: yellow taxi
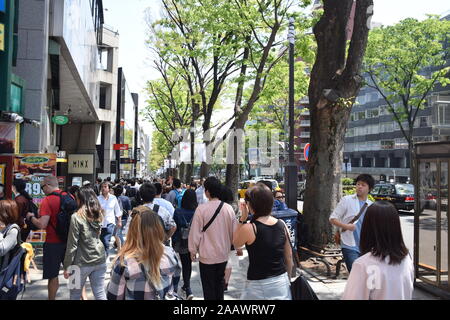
x,y
244,185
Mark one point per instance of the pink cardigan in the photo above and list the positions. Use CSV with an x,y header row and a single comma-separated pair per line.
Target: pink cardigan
x,y
213,246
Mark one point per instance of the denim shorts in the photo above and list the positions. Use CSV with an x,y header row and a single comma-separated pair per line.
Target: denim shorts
x,y
274,288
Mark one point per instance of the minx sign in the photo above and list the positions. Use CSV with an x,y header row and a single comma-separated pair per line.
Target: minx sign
x,y
81,163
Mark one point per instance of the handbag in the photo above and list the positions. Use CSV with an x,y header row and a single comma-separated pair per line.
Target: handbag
x,y
300,288
185,230
337,235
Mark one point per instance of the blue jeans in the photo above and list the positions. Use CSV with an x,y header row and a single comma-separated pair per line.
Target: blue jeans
x,y
105,236
273,288
119,231
96,276
349,257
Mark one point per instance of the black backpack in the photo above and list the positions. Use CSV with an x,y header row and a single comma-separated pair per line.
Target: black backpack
x,y
12,272
68,206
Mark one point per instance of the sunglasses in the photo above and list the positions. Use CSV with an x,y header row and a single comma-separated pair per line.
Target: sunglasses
x,y
280,197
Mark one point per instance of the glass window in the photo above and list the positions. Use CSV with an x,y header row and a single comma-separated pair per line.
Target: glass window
x,y
444,114
376,190
384,190
404,188
387,144
361,115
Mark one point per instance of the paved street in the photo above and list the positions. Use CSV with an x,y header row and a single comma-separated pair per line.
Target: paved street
x,y
326,290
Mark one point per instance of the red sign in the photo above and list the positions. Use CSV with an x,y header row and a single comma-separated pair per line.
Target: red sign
x,y
306,151
120,147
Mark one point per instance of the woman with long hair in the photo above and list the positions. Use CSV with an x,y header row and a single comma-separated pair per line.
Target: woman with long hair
x,y
144,268
269,250
23,200
183,218
385,270
85,252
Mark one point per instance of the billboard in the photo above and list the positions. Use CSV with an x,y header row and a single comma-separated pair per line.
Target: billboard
x,y
33,167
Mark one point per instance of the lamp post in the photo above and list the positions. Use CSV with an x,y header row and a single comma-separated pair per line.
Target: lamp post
x,y
292,165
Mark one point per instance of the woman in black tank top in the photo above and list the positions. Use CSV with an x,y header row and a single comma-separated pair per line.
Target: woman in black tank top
x,y
270,256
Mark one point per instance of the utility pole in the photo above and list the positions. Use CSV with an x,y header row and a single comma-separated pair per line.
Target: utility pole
x,y
292,165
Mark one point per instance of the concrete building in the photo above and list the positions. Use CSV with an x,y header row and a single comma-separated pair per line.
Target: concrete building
x,y
374,142
126,124
143,154
69,62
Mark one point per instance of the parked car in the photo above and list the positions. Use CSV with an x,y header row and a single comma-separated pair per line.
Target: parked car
x,y
401,195
275,186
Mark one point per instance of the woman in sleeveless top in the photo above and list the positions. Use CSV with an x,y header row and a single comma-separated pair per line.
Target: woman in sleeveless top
x,y
270,256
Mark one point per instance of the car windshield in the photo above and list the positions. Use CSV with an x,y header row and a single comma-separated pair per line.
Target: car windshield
x,y
405,188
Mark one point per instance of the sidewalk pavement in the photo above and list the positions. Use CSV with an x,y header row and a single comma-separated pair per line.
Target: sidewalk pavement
x,y
326,289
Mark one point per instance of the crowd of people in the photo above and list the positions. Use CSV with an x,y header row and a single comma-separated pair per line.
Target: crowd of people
x,y
161,227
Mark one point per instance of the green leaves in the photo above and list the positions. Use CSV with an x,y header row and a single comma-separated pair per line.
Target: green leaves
x,y
406,61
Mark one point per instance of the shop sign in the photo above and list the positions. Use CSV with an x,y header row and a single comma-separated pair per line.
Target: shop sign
x,y
81,164
60,120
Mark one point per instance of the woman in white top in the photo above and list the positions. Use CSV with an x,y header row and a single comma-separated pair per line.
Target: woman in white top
x,y
385,269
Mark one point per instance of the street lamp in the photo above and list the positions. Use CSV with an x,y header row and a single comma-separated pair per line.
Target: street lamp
x,y
291,168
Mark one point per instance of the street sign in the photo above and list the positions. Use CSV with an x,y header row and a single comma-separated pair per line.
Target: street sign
x,y
120,146
60,120
306,151
2,5
347,168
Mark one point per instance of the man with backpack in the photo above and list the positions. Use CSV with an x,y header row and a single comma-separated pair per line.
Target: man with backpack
x,y
176,194
148,192
54,212
160,201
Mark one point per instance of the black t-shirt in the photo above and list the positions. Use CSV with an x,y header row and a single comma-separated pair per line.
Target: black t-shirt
x,y
266,254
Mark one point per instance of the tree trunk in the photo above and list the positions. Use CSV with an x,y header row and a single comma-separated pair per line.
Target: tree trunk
x,y
182,171
188,172
204,170
336,72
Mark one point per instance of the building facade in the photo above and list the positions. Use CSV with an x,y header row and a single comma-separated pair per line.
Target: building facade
x,y
69,63
374,142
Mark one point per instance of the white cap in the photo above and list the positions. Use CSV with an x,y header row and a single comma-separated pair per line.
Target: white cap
x,y
86,182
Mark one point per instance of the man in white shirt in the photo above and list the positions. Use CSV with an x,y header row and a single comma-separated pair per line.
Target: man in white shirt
x,y
347,209
200,192
112,214
162,202
148,192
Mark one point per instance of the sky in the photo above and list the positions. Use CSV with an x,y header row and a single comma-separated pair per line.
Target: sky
x,y
128,18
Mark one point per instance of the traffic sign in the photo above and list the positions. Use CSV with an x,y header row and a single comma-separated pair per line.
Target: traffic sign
x,y
306,151
120,146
